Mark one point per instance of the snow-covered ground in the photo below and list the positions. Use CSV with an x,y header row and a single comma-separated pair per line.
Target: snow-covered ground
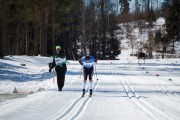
x,y
124,90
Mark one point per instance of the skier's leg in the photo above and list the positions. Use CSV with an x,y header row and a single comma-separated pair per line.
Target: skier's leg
x,y
62,79
58,78
84,81
90,92
91,82
84,84
59,81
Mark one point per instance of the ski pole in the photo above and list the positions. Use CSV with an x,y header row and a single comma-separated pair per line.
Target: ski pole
x,y
53,75
96,72
81,72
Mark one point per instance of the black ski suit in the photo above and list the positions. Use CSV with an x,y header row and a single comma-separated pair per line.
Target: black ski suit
x,y
59,62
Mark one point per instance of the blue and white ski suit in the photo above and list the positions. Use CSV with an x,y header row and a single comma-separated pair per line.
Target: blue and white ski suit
x,y
88,66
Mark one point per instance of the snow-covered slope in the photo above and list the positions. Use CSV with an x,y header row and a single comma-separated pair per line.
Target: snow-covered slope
x,y
27,79
134,36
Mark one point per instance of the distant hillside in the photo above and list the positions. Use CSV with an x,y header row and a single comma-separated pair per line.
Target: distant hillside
x,y
140,35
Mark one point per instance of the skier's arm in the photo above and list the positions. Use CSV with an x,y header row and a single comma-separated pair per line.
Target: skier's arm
x,y
95,59
53,64
80,62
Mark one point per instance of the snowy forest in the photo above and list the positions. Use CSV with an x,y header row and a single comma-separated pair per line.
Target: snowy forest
x,y
81,27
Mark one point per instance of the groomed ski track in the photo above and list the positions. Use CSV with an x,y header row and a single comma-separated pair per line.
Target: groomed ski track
x,y
123,91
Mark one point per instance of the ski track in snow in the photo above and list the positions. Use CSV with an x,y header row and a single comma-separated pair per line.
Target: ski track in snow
x,y
162,89
76,108
150,110
115,82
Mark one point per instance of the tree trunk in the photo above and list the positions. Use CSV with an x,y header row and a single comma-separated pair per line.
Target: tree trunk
x,y
34,28
53,29
164,50
148,5
103,30
70,32
83,32
173,44
43,28
16,49
1,30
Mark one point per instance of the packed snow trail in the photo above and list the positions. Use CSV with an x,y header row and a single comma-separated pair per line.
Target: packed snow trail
x,y
123,91
144,105
75,109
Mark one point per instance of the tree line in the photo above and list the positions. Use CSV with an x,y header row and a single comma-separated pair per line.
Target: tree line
x,y
81,27
163,38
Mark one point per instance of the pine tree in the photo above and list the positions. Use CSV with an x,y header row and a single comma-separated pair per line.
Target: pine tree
x,y
124,10
158,39
124,6
161,42
172,23
165,7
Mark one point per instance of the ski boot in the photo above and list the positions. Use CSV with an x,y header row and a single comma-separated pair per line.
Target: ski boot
x,y
90,94
83,92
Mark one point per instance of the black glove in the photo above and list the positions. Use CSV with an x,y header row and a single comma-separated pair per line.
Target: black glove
x,y
50,70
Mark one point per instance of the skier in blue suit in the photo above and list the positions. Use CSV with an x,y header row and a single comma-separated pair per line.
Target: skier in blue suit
x,y
88,65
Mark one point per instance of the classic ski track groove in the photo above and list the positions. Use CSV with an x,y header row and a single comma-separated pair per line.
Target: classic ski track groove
x,y
75,109
144,105
163,89
168,93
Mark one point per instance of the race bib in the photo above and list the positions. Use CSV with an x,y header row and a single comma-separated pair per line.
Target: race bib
x,y
88,64
60,60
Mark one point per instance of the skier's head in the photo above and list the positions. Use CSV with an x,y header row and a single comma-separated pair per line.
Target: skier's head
x,y
58,47
87,57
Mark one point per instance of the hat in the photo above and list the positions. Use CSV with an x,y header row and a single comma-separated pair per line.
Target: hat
x,y
58,47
